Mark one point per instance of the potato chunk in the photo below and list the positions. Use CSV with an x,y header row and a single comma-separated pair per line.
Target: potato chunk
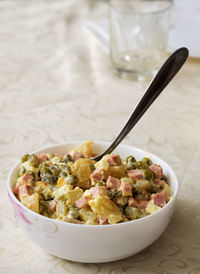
x,y
103,163
151,207
74,195
88,216
167,188
143,185
61,193
61,210
104,207
60,182
31,201
85,149
81,169
116,171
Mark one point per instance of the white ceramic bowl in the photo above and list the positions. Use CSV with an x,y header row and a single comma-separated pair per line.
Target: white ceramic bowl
x,y
94,243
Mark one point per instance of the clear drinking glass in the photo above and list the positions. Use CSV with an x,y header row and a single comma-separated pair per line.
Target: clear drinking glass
x,y
138,36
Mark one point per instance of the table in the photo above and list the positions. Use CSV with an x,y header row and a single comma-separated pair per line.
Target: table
x,y
57,85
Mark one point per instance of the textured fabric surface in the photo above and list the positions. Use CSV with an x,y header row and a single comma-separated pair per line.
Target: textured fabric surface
x,y
57,85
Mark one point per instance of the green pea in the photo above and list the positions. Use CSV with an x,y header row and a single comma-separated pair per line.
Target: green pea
x,y
148,174
131,212
63,174
31,174
121,201
73,213
118,193
34,161
54,179
147,161
164,178
25,158
44,169
92,167
22,171
111,194
67,158
65,168
45,177
49,178
130,159
155,188
71,180
101,183
124,220
130,165
56,159
55,169
140,165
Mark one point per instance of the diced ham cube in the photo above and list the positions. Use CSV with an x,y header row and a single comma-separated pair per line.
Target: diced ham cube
x,y
160,198
142,205
27,179
113,183
97,175
133,202
25,190
16,188
114,160
98,190
126,188
159,182
76,155
157,171
82,202
43,157
48,163
52,207
103,220
135,174
138,204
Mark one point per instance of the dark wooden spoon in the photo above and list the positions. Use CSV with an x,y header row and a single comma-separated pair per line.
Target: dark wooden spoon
x,y
168,70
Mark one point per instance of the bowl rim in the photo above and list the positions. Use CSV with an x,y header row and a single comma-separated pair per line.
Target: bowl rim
x,y
172,200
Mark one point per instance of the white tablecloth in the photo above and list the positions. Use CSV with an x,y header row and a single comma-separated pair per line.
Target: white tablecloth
x,y
56,85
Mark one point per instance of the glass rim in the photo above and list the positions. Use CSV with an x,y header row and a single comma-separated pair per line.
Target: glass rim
x,y
168,7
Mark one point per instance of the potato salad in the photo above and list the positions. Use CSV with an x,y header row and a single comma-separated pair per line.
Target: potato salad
x,y
76,189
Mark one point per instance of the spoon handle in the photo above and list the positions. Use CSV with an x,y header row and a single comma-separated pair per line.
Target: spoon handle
x,y
168,70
